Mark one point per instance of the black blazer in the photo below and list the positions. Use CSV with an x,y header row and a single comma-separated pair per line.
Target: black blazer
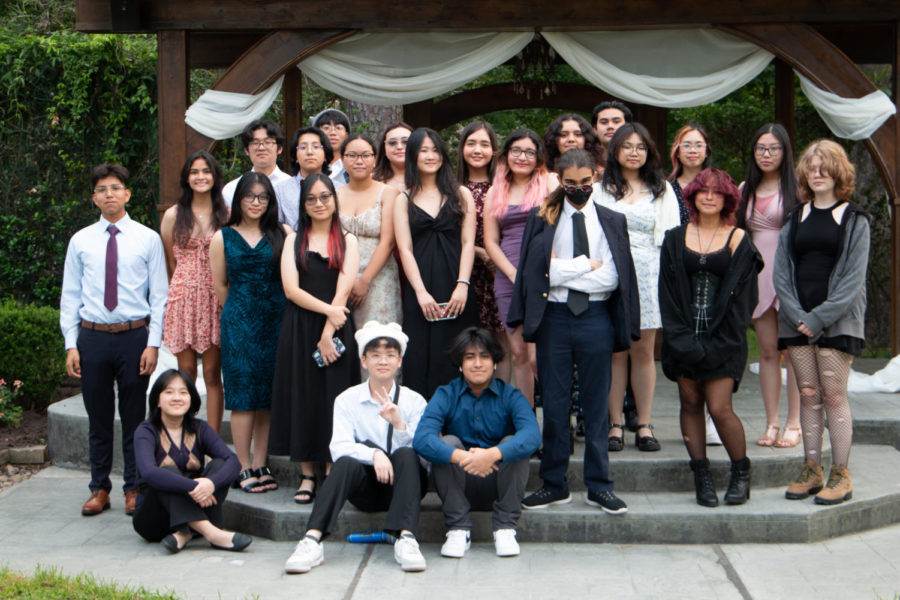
x,y
532,285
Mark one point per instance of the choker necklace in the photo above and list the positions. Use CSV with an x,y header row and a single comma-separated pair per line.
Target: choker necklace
x,y
700,242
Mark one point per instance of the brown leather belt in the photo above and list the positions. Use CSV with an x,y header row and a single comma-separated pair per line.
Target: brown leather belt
x,y
116,327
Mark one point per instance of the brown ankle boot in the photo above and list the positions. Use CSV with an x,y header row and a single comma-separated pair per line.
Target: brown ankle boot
x,y
809,482
839,487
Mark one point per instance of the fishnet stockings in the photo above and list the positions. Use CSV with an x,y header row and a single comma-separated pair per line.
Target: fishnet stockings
x,y
822,375
716,395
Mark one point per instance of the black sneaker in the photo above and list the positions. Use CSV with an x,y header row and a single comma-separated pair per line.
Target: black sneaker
x,y
545,496
608,502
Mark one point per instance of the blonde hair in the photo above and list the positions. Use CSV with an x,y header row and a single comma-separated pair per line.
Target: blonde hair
x,y
834,162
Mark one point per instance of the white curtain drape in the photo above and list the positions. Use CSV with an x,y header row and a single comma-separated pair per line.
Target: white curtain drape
x,y
850,118
670,68
391,68
221,115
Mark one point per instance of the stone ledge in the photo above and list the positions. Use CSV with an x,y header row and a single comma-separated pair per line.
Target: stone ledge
x,y
26,455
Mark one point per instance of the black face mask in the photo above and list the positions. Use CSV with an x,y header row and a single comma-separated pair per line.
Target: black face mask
x,y
579,197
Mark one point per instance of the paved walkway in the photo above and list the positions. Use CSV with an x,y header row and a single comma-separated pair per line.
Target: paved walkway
x,y
40,525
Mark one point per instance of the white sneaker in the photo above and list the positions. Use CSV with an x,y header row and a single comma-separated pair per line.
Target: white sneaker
x,y
407,553
308,554
712,436
505,542
457,543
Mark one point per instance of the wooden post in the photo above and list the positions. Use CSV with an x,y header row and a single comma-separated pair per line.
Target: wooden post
x,y
292,111
418,114
172,100
784,98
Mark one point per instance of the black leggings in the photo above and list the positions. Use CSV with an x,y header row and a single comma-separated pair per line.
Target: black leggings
x,y
159,513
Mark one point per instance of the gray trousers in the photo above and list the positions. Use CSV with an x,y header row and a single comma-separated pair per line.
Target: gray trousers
x,y
501,491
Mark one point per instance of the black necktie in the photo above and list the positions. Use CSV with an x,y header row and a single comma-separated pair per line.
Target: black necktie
x,y
578,301
390,435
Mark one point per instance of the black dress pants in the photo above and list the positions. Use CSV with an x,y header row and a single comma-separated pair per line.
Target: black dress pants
x,y
158,513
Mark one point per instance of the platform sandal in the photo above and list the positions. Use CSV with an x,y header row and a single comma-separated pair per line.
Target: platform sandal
x,y
305,496
646,443
616,442
246,480
267,481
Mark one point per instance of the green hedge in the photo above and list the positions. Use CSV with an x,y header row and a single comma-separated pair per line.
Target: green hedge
x,y
68,101
31,350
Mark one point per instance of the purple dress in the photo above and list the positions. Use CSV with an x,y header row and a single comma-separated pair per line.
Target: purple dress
x,y
512,226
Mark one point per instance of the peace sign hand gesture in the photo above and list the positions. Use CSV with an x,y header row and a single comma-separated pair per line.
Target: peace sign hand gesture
x,y
390,412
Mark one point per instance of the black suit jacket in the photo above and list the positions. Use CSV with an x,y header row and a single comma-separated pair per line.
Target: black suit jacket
x,y
533,278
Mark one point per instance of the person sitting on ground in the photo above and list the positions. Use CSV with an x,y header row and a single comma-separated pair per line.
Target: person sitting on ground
x,y
375,466
478,432
180,493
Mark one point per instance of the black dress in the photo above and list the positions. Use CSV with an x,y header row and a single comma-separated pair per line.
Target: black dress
x,y
303,393
705,338
437,248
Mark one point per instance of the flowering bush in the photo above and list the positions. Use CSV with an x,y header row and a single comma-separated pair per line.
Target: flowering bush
x,y
10,412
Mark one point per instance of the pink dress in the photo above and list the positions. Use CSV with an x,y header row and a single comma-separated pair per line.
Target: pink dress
x,y
192,309
764,228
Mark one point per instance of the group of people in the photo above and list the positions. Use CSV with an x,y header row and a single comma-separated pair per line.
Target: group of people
x,y
549,261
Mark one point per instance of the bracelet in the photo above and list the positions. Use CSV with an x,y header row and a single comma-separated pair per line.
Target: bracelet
x,y
463,281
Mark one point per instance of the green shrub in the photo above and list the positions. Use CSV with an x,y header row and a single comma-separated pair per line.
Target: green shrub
x,y
31,351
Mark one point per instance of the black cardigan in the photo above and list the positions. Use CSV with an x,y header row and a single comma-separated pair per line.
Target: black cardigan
x,y
722,351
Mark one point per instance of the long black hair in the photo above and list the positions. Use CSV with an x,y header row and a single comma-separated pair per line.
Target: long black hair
x,y
786,174
184,218
326,148
446,181
650,172
462,167
591,142
268,223
336,242
575,158
164,379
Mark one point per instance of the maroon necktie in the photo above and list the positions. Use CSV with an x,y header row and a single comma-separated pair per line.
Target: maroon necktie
x,y
111,293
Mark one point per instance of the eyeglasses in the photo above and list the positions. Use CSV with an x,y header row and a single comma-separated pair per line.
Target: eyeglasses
x,y
328,127
352,156
772,150
257,144
378,356
305,147
629,149
571,189
115,188
394,142
694,146
516,152
324,198
822,170
261,199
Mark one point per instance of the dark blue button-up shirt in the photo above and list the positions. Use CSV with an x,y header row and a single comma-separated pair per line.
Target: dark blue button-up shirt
x,y
479,421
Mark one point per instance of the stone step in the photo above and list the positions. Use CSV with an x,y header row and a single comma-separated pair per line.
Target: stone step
x,y
653,517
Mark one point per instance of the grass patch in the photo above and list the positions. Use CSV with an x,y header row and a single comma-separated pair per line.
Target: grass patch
x,y
50,584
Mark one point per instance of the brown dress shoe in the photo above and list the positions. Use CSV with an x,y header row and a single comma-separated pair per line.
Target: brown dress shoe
x,y
96,504
839,487
809,482
130,501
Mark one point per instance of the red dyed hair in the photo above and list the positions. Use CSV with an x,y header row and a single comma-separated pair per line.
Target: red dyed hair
x,y
336,243
717,181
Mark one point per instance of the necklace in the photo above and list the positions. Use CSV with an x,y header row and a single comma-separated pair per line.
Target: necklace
x,y
700,242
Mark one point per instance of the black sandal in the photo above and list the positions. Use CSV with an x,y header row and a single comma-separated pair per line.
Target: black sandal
x,y
647,443
616,442
306,496
267,481
244,476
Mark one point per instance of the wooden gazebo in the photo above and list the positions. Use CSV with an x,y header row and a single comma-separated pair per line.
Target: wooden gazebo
x,y
259,41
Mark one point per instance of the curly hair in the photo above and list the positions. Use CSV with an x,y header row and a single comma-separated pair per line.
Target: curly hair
x,y
834,163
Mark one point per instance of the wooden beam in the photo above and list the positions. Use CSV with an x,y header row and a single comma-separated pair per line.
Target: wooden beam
x,y
173,85
863,43
654,119
419,114
261,65
292,110
213,50
373,15
784,98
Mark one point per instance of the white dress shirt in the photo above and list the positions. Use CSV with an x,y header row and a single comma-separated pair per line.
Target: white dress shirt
x,y
228,191
288,194
141,276
575,273
356,420
339,176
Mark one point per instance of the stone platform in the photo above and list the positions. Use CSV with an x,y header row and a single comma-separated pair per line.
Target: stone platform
x,y
658,487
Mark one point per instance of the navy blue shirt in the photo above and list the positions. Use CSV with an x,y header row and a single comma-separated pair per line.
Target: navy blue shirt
x,y
478,421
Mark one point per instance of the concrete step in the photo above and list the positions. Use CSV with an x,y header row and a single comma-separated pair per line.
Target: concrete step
x,y
658,517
